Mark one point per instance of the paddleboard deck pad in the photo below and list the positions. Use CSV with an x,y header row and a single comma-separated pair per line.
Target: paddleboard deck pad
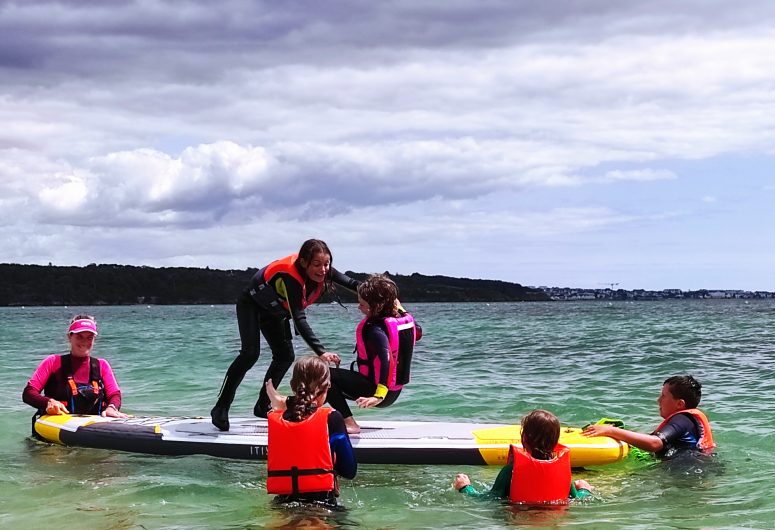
x,y
380,442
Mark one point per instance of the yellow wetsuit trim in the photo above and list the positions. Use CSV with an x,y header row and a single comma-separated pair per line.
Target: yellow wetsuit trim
x,y
381,391
279,286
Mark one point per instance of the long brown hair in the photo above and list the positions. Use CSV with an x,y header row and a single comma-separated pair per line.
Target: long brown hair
x,y
311,378
309,249
381,293
540,433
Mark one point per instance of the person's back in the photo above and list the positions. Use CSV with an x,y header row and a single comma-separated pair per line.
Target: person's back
x,y
299,464
539,472
308,444
540,480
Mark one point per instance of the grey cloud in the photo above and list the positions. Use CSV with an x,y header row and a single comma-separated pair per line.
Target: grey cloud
x,y
196,41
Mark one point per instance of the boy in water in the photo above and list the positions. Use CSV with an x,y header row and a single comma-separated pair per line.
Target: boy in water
x,y
684,426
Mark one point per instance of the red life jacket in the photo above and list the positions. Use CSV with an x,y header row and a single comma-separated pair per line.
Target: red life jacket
x,y
86,398
273,300
402,335
536,481
706,435
299,455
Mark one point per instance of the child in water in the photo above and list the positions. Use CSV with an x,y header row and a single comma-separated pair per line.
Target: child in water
x,y
684,427
537,473
308,444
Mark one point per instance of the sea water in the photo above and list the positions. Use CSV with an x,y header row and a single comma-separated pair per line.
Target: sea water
x,y
476,362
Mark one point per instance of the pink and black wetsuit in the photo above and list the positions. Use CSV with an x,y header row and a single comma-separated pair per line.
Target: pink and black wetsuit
x,y
384,348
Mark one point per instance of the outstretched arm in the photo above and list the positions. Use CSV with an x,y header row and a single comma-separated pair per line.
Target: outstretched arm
x,y
647,442
500,489
345,281
277,400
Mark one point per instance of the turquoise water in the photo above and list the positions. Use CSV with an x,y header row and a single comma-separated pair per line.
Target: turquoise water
x,y
477,362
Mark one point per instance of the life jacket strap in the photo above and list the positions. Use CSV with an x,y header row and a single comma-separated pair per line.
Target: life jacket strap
x,y
72,385
295,473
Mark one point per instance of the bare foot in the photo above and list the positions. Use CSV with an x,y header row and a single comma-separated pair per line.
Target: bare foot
x,y
352,425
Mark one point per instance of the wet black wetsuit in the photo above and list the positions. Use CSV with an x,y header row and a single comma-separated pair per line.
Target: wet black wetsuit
x,y
350,384
679,433
254,319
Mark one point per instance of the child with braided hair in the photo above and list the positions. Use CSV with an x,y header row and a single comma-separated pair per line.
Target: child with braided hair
x,y
308,444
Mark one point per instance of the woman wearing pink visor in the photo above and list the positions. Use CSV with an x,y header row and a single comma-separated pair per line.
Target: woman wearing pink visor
x,y
76,382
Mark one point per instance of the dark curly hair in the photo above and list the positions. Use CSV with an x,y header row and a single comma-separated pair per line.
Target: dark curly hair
x,y
381,293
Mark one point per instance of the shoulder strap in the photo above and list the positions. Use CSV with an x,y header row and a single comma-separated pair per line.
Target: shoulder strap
x,y
65,365
95,371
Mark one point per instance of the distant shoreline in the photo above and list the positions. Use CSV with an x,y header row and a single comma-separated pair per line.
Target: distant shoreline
x,y
101,285
115,285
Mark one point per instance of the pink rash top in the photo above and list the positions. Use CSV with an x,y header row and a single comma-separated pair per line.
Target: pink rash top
x,y
80,365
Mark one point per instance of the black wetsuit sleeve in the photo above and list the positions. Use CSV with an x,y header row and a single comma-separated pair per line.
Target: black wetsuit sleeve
x,y
345,281
679,432
341,448
377,346
294,293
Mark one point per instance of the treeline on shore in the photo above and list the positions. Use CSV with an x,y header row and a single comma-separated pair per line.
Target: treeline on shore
x,y
51,285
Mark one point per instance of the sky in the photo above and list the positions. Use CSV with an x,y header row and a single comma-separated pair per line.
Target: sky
x,y
555,143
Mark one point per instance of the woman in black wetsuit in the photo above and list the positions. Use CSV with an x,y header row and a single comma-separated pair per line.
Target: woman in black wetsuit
x,y
277,294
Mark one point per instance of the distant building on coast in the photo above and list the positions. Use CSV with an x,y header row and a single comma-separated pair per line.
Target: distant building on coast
x,y
573,293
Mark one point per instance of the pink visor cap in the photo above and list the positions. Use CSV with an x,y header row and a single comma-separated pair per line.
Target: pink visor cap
x,y
81,325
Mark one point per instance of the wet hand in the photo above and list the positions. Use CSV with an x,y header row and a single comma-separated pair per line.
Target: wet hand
x,y
113,412
597,430
582,484
461,481
368,402
331,357
55,408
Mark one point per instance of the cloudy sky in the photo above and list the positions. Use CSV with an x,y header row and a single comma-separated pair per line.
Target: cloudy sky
x,y
546,143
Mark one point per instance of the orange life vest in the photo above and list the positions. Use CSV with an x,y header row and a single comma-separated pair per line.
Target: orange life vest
x,y
706,435
287,265
299,455
536,481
